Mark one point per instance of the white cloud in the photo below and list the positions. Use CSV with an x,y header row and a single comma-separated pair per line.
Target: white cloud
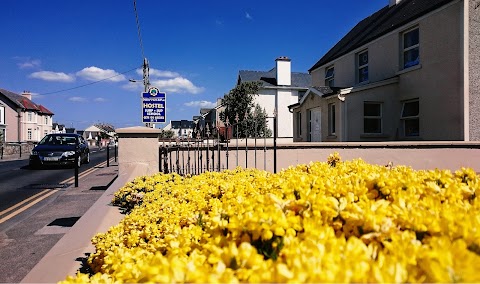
x,y
100,100
78,99
248,16
53,76
28,63
177,85
93,73
202,104
159,73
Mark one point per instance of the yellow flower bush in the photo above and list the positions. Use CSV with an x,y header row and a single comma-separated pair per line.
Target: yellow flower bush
x,y
322,222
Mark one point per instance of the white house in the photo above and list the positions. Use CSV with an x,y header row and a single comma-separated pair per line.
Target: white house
x,y
280,88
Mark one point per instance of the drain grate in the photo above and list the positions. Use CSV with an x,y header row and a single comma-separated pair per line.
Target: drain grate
x,y
64,222
47,185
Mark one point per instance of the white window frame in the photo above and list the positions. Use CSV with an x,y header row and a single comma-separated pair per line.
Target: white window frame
x,y
363,66
406,118
331,119
404,49
29,116
29,134
379,117
2,114
330,78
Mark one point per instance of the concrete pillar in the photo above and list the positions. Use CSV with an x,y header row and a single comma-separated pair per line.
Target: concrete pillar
x,y
138,150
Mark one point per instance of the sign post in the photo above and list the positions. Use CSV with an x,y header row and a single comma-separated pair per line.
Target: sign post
x,y
154,106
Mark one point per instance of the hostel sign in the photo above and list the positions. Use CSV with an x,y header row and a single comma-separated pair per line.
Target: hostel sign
x,y
153,106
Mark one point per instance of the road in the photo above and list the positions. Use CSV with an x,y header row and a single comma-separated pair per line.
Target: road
x,y
37,207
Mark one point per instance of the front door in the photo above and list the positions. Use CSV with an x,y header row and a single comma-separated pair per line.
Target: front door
x,y
315,134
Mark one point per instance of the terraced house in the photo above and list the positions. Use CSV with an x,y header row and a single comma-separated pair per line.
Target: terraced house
x,y
410,71
22,120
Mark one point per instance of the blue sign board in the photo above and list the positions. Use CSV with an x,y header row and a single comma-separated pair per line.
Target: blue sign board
x,y
153,106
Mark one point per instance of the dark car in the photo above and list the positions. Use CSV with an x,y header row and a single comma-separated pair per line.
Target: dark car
x,y
60,149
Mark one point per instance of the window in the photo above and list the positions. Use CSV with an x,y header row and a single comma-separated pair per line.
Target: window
x,y
2,135
362,65
29,134
329,76
45,133
331,119
46,120
372,117
29,116
411,121
299,124
2,114
410,48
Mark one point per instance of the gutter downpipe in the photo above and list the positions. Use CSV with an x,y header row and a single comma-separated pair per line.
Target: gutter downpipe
x,y
19,128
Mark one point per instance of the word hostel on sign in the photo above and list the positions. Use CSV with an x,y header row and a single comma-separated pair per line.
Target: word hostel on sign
x,y
153,106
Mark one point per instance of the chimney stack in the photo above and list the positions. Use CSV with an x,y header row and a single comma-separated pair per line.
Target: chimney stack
x,y
284,74
394,2
27,95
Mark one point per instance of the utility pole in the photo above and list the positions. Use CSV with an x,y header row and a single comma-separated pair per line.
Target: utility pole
x,y
146,84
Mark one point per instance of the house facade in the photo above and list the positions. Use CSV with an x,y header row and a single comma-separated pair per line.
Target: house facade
x,y
181,128
280,88
22,120
410,71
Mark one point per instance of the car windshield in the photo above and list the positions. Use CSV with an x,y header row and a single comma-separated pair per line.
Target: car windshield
x,y
58,140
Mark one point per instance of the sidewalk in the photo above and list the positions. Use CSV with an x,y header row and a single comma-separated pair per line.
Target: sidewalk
x,y
64,258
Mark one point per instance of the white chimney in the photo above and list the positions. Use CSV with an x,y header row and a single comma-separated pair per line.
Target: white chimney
x,y
27,95
394,2
284,74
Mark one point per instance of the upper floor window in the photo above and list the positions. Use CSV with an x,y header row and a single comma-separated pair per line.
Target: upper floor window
x,y
46,120
410,48
372,117
29,116
330,76
2,114
331,119
362,65
410,118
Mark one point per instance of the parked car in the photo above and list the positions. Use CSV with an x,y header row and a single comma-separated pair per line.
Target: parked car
x,y
60,149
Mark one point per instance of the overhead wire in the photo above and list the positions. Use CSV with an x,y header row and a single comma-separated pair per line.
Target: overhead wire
x,y
91,83
138,28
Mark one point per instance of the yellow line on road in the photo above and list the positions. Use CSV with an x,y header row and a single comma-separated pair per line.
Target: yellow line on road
x,y
43,194
27,206
23,202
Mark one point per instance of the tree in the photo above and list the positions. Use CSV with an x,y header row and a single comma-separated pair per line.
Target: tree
x,y
167,134
239,102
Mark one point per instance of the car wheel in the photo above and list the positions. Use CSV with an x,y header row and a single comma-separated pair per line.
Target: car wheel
x,y
87,159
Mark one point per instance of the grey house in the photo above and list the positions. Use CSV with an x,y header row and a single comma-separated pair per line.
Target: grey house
x,y
410,71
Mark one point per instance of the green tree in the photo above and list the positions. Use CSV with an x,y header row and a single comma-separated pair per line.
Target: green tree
x,y
239,102
167,134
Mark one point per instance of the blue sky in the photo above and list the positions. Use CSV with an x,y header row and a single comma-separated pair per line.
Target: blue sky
x,y
59,49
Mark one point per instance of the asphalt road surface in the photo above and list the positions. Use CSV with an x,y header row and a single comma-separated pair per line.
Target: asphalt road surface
x,y
37,207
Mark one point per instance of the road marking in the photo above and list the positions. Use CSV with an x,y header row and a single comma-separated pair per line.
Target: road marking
x,y
44,194
23,202
13,214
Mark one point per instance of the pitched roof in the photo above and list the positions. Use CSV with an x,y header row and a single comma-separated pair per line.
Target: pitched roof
x,y
23,102
268,78
378,24
44,110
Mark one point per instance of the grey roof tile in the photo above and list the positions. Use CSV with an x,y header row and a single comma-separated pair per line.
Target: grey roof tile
x,y
268,78
378,24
